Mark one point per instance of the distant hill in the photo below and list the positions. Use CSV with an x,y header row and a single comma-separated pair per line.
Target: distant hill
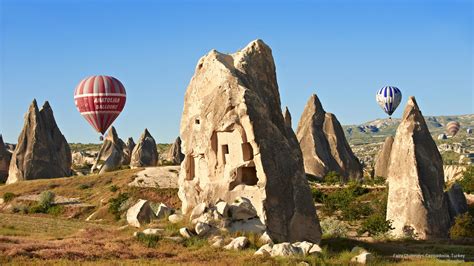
x,y
377,130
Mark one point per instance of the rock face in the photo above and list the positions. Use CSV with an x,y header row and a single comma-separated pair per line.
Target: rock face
x,y
130,146
236,143
416,203
111,153
174,154
139,214
145,152
383,158
456,201
42,151
5,157
287,117
324,145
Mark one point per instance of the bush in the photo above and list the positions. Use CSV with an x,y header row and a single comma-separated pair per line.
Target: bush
x,y
116,203
55,210
463,227
337,200
46,201
318,195
355,210
113,188
376,225
8,196
84,186
148,240
333,177
467,182
332,227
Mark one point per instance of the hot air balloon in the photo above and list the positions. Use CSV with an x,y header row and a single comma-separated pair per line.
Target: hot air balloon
x,y
452,128
388,98
100,99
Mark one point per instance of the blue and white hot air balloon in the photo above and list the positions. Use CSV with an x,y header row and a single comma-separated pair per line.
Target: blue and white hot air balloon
x,y
388,98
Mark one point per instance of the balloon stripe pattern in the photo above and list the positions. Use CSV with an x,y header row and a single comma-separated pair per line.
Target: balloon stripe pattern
x,y
100,99
388,98
452,128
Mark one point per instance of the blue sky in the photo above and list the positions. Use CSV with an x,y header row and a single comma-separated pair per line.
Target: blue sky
x,y
341,50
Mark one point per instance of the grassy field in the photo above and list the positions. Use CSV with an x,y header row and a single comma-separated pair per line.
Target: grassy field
x,y
70,240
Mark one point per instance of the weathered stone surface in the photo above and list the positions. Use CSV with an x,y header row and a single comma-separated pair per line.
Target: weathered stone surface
x,y
163,211
5,157
140,213
304,246
236,143
247,226
153,231
416,202
222,208
264,250
285,249
198,210
457,202
287,117
363,258
185,232
202,228
111,154
175,218
130,145
145,152
237,243
315,250
158,176
42,151
175,155
383,158
265,238
324,145
242,209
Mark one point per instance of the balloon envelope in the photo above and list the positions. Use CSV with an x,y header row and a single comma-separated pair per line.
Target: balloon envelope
x,y
388,98
452,128
100,99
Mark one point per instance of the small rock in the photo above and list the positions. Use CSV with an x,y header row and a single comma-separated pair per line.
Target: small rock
x,y
185,232
140,213
242,209
238,243
358,250
204,218
197,211
163,211
176,239
285,249
253,225
222,208
265,238
315,250
202,228
175,218
217,242
305,246
264,250
363,258
153,231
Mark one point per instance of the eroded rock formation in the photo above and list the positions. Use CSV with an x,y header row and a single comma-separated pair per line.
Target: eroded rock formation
x,y
5,157
130,146
236,143
111,155
175,155
383,158
145,152
42,151
416,203
324,145
287,117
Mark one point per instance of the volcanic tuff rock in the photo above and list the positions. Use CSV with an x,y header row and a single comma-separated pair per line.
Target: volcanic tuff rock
x,y
323,143
236,143
457,202
42,151
5,157
174,154
111,152
130,146
383,158
145,152
416,202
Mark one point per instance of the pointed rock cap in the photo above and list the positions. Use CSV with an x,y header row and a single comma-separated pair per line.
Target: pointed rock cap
x,y
287,117
146,134
112,134
33,107
412,110
130,141
1,141
46,105
316,103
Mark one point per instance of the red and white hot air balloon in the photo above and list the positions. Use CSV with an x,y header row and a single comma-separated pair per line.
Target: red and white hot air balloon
x,y
452,128
100,99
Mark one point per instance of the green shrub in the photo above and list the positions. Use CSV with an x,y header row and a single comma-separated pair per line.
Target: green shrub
x,y
337,200
356,189
8,196
318,195
46,199
55,210
376,224
332,227
116,203
84,186
463,227
149,241
332,178
467,182
113,188
356,210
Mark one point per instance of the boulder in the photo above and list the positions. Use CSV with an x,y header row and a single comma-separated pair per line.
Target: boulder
x,y
242,209
457,202
153,231
202,228
175,156
175,218
185,232
324,145
287,117
315,250
222,209
145,152
238,243
253,225
363,258
304,246
217,242
198,210
111,154
163,211
416,202
264,250
140,213
5,157
236,143
130,145
42,150
285,249
383,158
265,238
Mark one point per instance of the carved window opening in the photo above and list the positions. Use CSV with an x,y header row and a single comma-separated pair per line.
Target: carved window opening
x,y
249,176
225,152
247,151
197,121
